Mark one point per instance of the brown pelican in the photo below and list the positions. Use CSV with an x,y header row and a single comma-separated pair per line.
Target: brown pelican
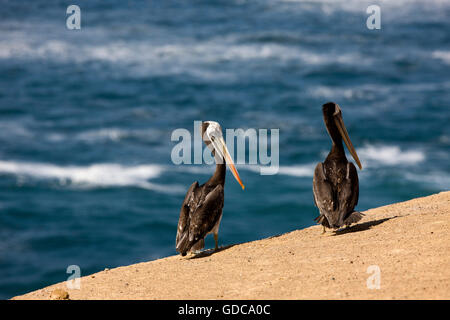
x,y
335,182
201,211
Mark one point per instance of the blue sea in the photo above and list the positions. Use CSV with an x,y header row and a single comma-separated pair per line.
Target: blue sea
x,y
86,118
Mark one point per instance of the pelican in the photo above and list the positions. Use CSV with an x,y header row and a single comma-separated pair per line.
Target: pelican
x,y
335,182
201,211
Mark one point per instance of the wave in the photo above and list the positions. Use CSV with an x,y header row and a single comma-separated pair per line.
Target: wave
x,y
389,155
15,129
295,171
442,55
445,139
196,169
95,175
117,134
370,155
112,134
396,8
306,170
438,180
209,51
298,170
198,59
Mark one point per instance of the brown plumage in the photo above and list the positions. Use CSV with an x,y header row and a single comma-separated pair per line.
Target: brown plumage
x,y
335,182
201,211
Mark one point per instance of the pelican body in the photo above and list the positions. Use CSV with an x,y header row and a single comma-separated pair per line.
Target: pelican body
x,y
335,182
201,211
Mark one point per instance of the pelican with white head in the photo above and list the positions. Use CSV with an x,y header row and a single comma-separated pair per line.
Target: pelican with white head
x,y
201,211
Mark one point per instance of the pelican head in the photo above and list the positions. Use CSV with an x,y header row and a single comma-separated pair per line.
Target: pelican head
x,y
332,115
212,136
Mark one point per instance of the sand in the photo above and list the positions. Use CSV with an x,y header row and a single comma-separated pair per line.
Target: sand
x,y
408,243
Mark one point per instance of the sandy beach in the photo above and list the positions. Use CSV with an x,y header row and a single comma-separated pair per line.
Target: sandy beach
x,y
408,242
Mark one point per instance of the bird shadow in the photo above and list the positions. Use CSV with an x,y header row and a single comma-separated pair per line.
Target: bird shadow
x,y
362,226
210,252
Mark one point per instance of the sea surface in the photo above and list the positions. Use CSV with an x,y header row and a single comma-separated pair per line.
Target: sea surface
x,y
86,118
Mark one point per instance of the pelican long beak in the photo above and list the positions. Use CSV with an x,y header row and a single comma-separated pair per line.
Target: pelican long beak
x,y
344,134
221,148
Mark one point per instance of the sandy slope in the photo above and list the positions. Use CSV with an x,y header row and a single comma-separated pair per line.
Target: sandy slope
x,y
409,241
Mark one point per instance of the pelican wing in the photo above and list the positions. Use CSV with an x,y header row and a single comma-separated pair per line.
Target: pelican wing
x,y
323,195
207,215
199,214
336,202
350,190
348,198
183,221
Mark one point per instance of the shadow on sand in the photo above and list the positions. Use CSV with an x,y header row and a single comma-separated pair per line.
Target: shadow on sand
x,y
356,228
209,252
362,226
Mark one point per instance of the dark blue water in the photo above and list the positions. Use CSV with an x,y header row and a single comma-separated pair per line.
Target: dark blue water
x,y
86,118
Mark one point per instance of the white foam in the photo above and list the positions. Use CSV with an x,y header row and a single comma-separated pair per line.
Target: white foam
x,y
356,5
112,134
389,155
441,55
104,134
306,170
298,171
15,129
136,52
196,169
372,91
329,92
444,139
439,180
95,175
117,134
197,58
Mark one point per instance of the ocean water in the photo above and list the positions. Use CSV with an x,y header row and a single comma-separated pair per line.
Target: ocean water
x,y
86,118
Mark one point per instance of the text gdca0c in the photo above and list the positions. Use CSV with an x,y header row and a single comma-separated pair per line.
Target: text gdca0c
x,y
246,309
